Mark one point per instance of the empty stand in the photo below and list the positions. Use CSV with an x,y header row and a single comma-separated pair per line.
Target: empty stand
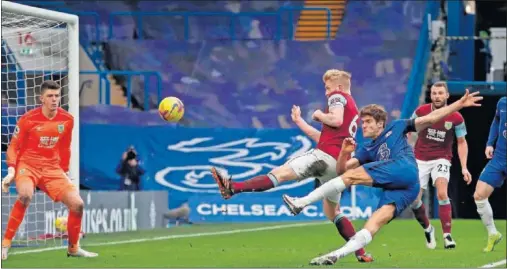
x,y
320,24
252,75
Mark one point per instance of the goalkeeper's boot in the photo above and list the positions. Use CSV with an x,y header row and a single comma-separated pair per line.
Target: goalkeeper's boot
x,y
367,257
5,252
224,184
493,239
292,204
81,253
449,242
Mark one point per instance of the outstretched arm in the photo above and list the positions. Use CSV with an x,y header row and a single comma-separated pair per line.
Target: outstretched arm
x,y
311,132
469,99
303,125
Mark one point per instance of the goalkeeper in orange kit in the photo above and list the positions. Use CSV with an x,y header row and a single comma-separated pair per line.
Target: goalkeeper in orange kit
x,y
39,156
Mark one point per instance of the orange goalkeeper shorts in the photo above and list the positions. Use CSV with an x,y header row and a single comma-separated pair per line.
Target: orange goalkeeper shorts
x,y
51,180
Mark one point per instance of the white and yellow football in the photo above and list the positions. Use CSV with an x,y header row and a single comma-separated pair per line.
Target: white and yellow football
x,y
61,224
171,109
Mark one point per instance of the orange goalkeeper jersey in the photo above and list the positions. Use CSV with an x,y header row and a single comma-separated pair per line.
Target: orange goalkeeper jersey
x,y
40,142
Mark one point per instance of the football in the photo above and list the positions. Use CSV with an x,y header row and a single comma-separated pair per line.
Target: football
x,y
171,109
61,224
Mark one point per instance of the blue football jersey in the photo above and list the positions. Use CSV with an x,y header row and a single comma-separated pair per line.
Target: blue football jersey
x,y
498,130
390,144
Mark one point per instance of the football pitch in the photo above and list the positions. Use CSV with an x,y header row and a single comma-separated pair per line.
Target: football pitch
x,y
399,244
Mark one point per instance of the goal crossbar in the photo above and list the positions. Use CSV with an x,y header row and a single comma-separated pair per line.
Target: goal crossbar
x,y
39,12
72,22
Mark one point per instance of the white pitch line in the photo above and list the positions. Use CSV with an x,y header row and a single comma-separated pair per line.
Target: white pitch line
x,y
495,264
168,237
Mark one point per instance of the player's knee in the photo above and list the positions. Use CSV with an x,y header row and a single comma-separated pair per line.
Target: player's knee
x,y
77,206
25,198
348,177
355,176
442,195
416,204
331,209
283,173
479,196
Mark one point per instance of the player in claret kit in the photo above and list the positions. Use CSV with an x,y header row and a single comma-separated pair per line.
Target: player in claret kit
x,y
433,152
38,156
495,172
387,162
338,122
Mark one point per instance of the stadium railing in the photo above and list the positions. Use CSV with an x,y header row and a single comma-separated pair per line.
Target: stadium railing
x,y
139,15
498,88
418,72
105,92
104,89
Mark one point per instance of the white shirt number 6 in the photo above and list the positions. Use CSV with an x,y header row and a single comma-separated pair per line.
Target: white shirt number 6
x,y
353,127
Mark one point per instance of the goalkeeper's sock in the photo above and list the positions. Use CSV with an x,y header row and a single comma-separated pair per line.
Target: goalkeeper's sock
x,y
445,214
74,228
258,183
360,240
420,215
486,212
346,230
15,219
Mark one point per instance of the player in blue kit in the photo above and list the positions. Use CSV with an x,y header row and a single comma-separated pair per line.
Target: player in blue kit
x,y
386,162
494,173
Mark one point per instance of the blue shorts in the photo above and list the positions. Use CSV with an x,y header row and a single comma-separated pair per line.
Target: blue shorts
x,y
399,180
494,173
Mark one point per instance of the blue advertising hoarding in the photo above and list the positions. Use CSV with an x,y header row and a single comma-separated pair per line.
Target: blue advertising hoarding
x,y
178,160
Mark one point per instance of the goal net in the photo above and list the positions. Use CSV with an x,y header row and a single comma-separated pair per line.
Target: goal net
x,y
37,45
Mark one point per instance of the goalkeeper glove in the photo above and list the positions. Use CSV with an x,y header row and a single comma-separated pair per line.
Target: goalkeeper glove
x,y
6,182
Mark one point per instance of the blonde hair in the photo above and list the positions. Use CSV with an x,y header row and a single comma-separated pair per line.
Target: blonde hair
x,y
337,75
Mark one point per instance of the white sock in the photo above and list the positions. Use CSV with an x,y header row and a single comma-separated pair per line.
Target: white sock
x,y
332,187
486,212
358,241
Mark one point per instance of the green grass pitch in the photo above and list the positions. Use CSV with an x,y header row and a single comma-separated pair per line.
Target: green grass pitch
x,y
399,244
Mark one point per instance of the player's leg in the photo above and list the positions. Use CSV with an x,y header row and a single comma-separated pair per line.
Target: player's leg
x,y
345,228
256,184
379,218
356,176
491,177
440,175
418,207
445,211
391,204
382,171
25,187
60,189
421,216
300,167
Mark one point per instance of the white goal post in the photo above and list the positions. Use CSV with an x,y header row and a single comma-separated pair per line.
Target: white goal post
x,y
37,45
72,22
